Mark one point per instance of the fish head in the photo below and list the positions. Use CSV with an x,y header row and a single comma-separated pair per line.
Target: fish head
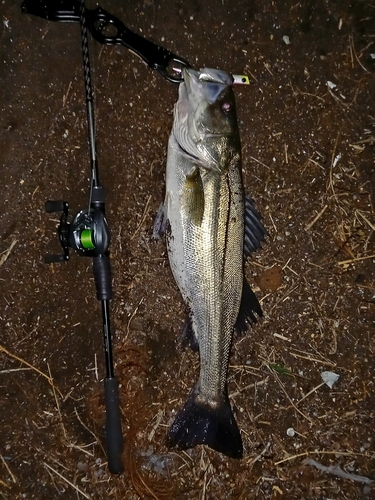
x,y
205,120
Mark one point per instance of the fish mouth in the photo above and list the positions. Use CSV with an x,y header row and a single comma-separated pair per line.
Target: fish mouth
x,y
208,75
193,136
208,83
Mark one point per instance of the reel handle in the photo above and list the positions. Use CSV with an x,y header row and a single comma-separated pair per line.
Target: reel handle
x,y
51,258
55,206
61,206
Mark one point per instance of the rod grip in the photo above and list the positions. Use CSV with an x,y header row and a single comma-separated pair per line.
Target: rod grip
x,y
114,438
103,277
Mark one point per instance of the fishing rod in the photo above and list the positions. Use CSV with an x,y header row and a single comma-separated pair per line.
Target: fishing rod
x,y
88,234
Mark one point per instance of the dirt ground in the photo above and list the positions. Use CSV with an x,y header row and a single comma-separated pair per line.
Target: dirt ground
x,y
307,125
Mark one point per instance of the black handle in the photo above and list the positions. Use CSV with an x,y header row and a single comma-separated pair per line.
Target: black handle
x,y
103,277
55,206
51,258
114,439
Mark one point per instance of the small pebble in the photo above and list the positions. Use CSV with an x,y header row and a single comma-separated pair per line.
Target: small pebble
x,y
82,467
331,85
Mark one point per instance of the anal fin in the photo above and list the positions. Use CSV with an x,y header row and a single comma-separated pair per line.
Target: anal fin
x,y
248,308
188,337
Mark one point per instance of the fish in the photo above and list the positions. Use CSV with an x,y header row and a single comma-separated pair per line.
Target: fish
x,y
210,226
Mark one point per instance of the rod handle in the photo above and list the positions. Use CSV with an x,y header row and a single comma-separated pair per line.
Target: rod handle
x,y
114,438
103,277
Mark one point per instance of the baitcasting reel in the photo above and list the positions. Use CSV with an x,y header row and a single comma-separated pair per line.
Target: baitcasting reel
x,y
88,233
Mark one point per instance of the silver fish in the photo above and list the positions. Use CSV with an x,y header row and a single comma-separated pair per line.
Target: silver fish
x,y
210,226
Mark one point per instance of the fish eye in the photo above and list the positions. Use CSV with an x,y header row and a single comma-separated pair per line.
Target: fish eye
x,y
226,107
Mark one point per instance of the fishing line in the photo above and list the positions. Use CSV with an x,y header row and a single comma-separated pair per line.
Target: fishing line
x,y
89,100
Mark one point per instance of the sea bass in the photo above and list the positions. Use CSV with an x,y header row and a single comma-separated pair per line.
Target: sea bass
x,y
210,226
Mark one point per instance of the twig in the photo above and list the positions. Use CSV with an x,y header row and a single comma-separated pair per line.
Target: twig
x,y
67,481
286,266
287,395
250,386
8,469
321,452
57,404
310,392
252,462
65,96
281,337
132,316
2,483
285,296
310,225
336,470
81,448
357,259
205,469
158,419
355,54
6,253
258,161
314,360
85,426
298,91
15,370
144,215
50,380
330,185
365,219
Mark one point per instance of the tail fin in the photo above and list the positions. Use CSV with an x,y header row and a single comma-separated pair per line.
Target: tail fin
x,y
200,423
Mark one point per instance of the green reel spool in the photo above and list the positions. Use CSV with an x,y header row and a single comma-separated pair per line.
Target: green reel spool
x,y
87,239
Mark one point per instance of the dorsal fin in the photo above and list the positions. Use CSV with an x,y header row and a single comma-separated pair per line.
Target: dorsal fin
x,y
255,232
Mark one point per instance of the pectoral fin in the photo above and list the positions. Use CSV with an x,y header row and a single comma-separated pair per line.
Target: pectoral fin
x,y
160,223
193,196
